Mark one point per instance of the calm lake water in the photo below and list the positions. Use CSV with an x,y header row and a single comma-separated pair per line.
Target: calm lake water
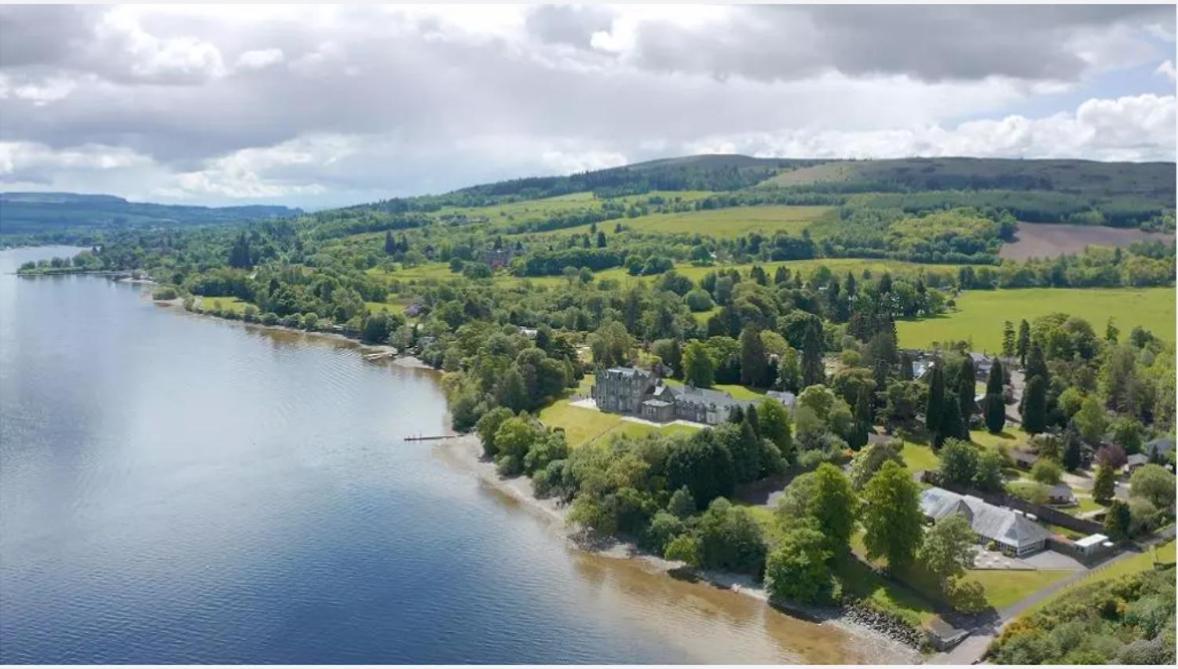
x,y
181,489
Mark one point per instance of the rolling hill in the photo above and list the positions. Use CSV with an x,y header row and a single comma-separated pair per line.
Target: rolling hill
x,y
33,213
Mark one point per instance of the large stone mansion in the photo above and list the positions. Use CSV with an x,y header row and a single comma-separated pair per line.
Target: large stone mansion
x,y
634,391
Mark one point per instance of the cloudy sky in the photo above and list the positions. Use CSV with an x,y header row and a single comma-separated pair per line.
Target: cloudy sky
x,y
323,106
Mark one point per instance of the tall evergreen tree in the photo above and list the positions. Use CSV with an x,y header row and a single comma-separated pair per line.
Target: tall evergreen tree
x,y
1023,344
390,246
813,371
754,364
951,425
1104,486
1036,365
1034,409
1073,452
966,384
1008,341
936,398
994,408
863,420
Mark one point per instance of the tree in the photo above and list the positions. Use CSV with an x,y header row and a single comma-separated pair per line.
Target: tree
x,y
512,441
754,365
789,371
698,368
1022,346
488,425
1073,453
953,425
1104,485
936,399
862,425
703,465
1111,456
684,548
1008,342
813,371
965,391
1034,410
731,539
1046,471
834,507
959,462
1036,363
1091,420
511,391
988,476
796,570
681,504
774,424
1153,483
948,549
994,404
1117,520
891,515
868,461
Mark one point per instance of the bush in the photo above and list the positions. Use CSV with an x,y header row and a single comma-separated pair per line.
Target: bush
x,y
1046,472
164,293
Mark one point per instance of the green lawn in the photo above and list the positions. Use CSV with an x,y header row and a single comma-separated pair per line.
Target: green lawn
x,y
391,307
583,426
1005,587
918,457
980,313
226,304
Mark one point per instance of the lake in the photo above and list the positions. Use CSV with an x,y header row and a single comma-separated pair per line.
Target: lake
x,y
176,488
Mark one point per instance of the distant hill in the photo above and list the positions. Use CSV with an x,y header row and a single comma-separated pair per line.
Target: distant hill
x,y
1154,182
1086,177
38,213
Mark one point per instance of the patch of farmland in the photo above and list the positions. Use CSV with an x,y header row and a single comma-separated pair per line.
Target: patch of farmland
x,y
731,222
980,313
1047,240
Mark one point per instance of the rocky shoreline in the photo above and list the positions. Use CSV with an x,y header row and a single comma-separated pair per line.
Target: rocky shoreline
x,y
899,640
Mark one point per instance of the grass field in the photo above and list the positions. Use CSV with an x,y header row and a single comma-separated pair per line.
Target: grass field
x,y
226,304
980,313
728,223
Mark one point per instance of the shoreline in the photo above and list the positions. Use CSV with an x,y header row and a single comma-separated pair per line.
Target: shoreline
x,y
464,452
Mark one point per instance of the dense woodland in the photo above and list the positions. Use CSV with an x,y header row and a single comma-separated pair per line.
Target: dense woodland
x,y
459,279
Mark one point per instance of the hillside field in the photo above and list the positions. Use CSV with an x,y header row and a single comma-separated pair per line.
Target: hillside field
x,y
980,313
721,223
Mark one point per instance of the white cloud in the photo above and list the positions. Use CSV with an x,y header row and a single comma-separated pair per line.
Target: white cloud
x,y
338,104
260,59
1129,128
30,156
1166,69
183,58
40,92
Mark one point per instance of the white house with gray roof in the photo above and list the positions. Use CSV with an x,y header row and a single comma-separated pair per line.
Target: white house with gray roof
x,y
1014,533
